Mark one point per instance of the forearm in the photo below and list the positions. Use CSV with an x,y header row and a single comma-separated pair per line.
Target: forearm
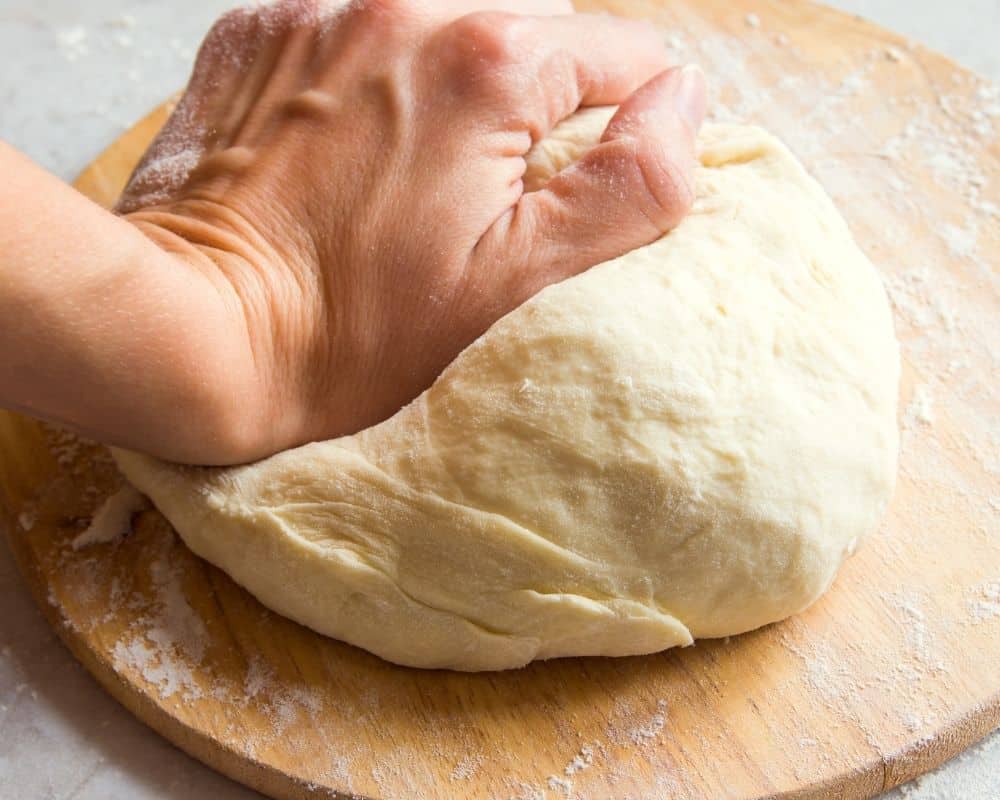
x,y
106,331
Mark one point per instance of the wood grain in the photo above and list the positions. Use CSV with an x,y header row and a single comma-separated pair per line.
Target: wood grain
x,y
891,673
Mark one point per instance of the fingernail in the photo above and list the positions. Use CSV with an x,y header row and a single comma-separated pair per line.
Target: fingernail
x,y
690,96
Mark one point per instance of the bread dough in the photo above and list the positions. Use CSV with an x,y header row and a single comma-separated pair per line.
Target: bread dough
x,y
684,442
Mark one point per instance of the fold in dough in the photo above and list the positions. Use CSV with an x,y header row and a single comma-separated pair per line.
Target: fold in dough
x,y
686,441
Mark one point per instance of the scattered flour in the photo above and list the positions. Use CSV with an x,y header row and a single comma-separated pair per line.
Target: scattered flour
x,y
962,242
260,676
581,761
984,604
524,790
825,670
467,767
920,411
651,729
73,43
158,667
168,641
910,607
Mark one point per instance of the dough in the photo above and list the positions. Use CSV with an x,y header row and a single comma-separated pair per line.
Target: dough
x,y
684,442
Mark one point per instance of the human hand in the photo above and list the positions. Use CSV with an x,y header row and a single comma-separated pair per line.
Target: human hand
x,y
349,184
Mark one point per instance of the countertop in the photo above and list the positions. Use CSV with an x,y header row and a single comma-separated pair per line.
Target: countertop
x,y
74,76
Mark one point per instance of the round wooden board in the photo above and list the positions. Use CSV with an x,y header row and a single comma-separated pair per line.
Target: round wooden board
x,y
891,673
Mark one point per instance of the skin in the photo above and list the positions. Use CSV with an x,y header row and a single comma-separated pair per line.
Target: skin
x,y
334,211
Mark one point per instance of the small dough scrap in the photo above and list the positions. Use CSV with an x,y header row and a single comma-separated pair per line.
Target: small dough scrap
x,y
113,519
683,442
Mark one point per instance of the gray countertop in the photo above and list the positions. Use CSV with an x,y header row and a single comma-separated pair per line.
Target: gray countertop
x,y
75,74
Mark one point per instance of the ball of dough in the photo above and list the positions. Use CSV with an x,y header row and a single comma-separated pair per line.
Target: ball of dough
x,y
683,442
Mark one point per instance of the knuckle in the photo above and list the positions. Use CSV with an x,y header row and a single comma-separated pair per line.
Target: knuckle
x,y
487,39
387,8
386,20
395,6
231,22
488,57
285,14
229,29
228,42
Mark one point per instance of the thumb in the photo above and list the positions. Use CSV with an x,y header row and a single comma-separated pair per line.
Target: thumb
x,y
629,190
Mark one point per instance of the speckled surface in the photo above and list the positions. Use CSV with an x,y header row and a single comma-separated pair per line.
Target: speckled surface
x,y
75,74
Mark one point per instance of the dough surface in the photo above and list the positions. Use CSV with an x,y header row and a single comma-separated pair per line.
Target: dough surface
x,y
684,442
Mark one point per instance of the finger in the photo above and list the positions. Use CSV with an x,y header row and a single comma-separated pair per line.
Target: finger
x,y
233,65
218,76
589,60
606,57
250,56
629,190
535,71
185,137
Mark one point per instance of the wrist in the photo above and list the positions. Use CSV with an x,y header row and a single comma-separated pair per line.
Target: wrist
x,y
241,362
209,409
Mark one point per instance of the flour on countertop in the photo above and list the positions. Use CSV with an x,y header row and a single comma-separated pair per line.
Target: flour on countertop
x,y
72,43
959,782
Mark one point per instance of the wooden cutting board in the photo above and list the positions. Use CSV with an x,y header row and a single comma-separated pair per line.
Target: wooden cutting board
x,y
894,671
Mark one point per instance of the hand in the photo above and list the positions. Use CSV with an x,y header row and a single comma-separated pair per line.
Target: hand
x,y
349,184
